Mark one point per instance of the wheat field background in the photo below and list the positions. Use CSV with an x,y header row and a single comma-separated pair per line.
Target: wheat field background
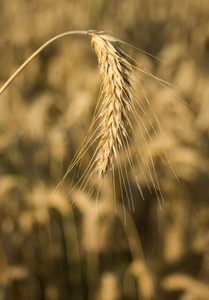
x,y
51,249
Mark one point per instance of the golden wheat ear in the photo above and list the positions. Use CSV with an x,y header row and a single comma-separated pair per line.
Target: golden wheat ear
x,y
119,107
111,125
116,97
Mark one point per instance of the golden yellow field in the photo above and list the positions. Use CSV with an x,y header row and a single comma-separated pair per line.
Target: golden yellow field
x,y
61,245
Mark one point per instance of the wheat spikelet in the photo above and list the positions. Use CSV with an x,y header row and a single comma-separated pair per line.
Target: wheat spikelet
x,y
116,96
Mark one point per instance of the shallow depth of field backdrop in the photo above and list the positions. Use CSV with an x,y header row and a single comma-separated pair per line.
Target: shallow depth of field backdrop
x,y
51,250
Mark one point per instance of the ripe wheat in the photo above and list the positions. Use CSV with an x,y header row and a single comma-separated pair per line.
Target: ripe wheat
x,y
111,125
116,97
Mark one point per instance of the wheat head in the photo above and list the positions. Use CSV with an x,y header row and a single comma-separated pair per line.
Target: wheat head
x,y
111,125
116,97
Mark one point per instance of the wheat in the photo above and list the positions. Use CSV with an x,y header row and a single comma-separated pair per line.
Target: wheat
x,y
116,96
111,126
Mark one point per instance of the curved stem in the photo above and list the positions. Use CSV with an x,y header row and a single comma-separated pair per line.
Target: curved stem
x,y
81,32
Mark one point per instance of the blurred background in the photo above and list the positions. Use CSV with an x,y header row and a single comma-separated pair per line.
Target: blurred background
x,y
51,249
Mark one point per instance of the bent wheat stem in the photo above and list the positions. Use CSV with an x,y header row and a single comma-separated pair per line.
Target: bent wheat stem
x,y
81,32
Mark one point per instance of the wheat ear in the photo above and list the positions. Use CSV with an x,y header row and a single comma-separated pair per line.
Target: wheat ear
x,y
111,112
116,97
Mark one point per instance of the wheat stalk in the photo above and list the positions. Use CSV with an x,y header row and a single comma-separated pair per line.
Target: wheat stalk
x,y
111,126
